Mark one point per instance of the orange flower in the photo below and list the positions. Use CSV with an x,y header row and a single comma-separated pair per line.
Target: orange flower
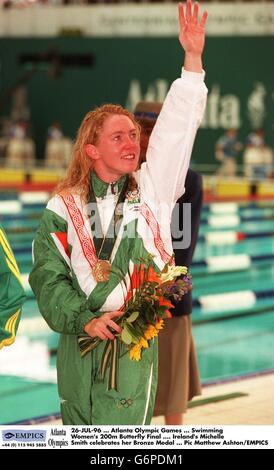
x,y
153,276
165,302
137,276
142,274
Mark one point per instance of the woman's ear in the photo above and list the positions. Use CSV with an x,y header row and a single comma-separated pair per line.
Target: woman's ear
x,y
92,151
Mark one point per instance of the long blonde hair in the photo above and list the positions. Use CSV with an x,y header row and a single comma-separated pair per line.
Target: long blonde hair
x,y
77,179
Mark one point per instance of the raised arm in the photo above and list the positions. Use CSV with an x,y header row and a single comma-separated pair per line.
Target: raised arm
x,y
171,142
192,35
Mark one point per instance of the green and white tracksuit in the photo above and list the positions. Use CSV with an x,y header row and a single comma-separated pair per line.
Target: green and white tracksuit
x,y
12,295
68,295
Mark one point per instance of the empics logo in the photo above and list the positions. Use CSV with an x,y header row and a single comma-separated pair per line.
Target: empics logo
x,y
8,435
22,435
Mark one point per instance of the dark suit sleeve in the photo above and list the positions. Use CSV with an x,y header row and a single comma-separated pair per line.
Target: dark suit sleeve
x,y
183,257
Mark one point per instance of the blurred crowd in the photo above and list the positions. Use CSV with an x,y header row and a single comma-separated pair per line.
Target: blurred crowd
x,y
17,150
26,3
17,147
258,159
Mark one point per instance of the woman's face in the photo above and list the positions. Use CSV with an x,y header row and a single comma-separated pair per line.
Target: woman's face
x,y
117,149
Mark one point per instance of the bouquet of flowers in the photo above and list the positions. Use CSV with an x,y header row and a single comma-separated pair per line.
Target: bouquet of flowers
x,y
146,306
149,304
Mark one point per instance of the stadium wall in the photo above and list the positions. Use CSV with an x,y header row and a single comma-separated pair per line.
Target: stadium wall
x,y
136,55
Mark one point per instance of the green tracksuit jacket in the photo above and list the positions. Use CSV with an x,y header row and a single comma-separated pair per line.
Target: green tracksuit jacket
x,y
12,294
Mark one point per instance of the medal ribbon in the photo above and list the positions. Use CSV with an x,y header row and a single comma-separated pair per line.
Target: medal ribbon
x,y
104,245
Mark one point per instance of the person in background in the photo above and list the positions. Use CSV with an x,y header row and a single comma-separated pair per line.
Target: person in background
x,y
12,295
80,274
178,373
226,150
20,151
257,157
58,148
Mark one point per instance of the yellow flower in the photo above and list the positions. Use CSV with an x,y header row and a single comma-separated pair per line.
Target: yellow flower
x,y
160,324
135,352
143,342
150,332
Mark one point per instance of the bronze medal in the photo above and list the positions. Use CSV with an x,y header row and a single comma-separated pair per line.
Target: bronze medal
x,y
101,270
103,246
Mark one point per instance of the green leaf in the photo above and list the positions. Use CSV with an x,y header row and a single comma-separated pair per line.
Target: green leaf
x,y
126,336
132,317
134,333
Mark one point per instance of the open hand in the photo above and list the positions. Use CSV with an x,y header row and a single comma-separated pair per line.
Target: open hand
x,y
192,31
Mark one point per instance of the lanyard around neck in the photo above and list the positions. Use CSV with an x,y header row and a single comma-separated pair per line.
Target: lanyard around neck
x,y
104,244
